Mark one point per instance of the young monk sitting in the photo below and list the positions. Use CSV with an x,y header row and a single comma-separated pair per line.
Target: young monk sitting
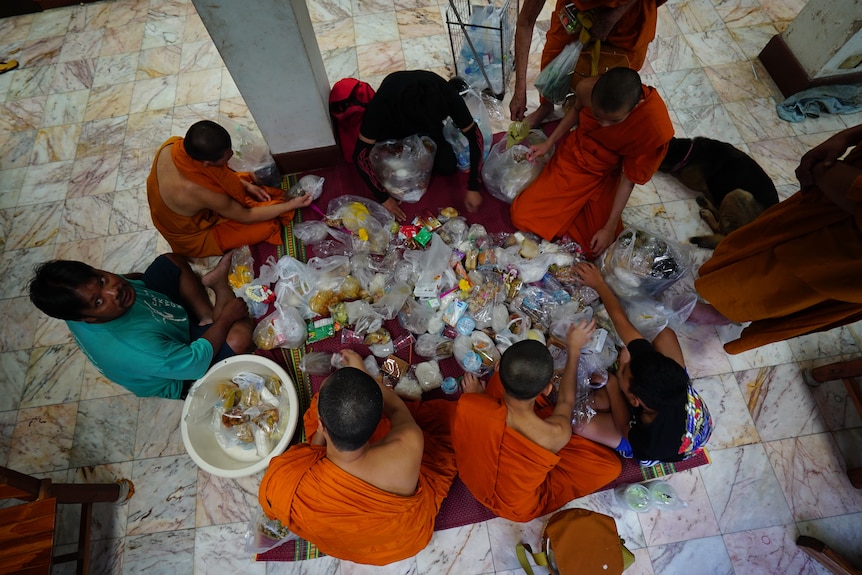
x,y
649,409
515,451
202,207
370,482
622,135
154,333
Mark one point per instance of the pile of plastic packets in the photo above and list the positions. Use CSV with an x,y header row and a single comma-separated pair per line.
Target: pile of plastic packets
x,y
455,290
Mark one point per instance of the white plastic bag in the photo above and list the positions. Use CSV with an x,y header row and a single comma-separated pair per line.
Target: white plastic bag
x,y
641,263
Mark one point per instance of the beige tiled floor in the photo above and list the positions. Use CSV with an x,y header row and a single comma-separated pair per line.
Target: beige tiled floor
x,y
101,85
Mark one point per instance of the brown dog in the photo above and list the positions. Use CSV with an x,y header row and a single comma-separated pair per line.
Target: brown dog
x,y
727,178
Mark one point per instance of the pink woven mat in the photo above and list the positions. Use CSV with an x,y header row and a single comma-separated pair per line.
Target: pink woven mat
x,y
460,507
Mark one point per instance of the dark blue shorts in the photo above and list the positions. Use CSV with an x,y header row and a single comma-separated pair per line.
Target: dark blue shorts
x,y
163,276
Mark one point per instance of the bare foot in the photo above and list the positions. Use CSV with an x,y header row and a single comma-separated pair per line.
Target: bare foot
x,y
705,314
217,276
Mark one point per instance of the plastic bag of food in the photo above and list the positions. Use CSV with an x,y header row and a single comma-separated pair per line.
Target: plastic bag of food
x,y
263,533
641,263
404,166
284,327
554,82
309,184
507,172
241,268
311,232
433,346
457,139
476,353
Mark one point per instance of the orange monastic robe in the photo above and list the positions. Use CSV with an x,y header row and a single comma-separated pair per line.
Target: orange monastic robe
x,y
206,233
349,518
633,32
575,192
796,269
511,475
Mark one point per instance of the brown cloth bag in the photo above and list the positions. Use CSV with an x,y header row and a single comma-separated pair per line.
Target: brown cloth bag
x,y
600,57
579,542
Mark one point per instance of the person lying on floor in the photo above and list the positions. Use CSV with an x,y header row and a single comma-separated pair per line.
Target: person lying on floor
x,y
417,102
368,486
515,450
796,268
154,333
204,208
648,409
623,132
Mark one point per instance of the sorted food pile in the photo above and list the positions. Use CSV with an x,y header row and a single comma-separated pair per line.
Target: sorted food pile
x,y
455,290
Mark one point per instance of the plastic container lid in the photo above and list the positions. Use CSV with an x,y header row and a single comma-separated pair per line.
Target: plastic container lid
x,y
465,325
449,385
472,361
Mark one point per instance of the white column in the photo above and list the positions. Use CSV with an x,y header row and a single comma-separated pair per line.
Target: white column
x,y
826,37
271,52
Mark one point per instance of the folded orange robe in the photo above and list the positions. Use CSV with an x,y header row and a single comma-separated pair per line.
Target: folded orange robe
x,y
349,518
575,192
796,269
633,32
207,233
511,475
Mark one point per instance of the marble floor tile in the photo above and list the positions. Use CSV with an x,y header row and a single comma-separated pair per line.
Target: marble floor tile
x,y
695,16
158,428
696,520
216,551
13,371
104,432
841,534
812,476
166,489
743,490
766,551
458,550
7,427
733,424
678,558
42,439
780,402
165,552
375,29
51,375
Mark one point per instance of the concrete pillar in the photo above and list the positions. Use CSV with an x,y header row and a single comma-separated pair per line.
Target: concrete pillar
x,y
823,45
271,52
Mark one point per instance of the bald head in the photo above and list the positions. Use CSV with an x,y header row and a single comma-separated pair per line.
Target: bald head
x,y
617,91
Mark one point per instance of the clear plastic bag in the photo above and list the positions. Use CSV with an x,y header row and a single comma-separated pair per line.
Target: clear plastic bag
x,y
456,138
404,166
264,533
507,172
641,263
251,153
241,268
554,82
317,363
284,327
311,232
414,317
433,346
309,184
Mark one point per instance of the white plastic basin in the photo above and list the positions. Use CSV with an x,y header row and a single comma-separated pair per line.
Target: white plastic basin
x,y
200,440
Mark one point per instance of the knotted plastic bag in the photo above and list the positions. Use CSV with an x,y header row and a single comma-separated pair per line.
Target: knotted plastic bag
x,y
555,80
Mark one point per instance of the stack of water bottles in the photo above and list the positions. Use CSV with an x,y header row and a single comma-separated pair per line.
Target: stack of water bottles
x,y
484,32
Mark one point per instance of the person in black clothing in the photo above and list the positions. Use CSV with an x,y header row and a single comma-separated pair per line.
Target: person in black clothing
x,y
648,410
417,102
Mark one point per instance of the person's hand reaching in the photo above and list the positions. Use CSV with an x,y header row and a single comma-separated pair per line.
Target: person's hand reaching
x,y
589,274
473,200
600,242
302,201
472,384
352,359
393,207
578,335
255,191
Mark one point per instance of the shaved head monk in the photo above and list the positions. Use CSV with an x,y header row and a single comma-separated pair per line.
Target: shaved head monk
x,y
368,486
515,450
623,132
626,24
202,207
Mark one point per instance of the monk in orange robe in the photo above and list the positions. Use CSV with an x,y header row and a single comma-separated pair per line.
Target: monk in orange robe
x,y
515,451
623,132
202,207
797,268
627,24
369,485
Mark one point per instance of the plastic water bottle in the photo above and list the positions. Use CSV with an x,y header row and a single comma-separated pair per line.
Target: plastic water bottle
x,y
449,385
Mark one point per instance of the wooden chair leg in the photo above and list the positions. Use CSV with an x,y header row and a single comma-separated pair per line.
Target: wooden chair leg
x,y
825,556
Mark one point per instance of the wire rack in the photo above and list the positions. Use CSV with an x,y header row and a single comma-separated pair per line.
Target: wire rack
x,y
482,40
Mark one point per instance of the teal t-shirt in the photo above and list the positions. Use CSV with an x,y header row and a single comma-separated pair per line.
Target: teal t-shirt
x,y
147,350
